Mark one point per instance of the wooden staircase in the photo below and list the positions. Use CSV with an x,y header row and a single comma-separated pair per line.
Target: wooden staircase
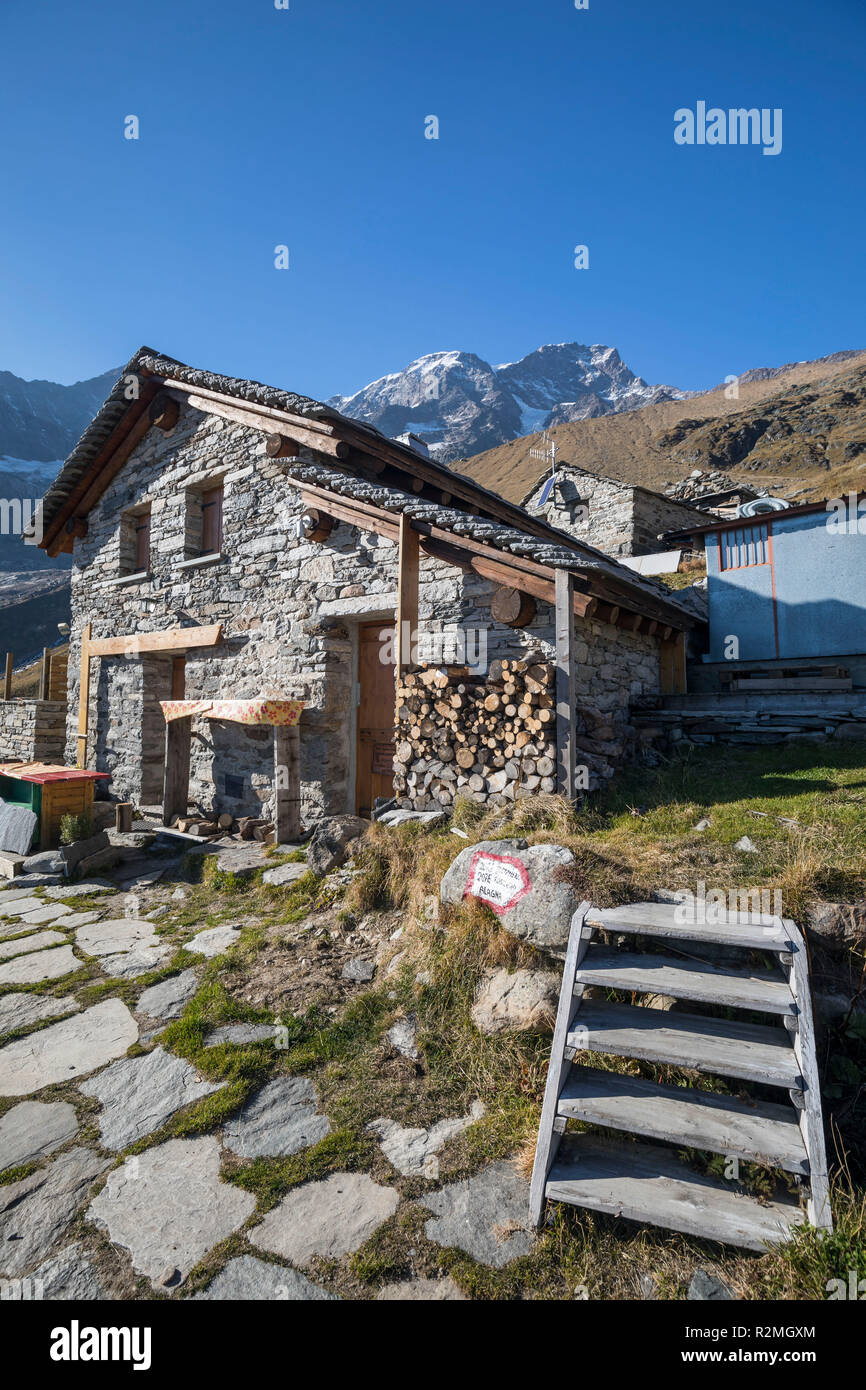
x,y
650,1182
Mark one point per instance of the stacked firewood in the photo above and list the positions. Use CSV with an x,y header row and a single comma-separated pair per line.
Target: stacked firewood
x,y
491,738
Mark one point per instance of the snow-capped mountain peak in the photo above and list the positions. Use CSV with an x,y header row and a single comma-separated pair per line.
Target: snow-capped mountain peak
x,y
461,404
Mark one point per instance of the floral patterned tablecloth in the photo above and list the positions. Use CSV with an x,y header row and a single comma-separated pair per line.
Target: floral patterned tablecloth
x,y
235,711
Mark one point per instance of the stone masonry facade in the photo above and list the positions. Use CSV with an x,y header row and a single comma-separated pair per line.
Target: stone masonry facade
x,y
620,519
290,609
32,730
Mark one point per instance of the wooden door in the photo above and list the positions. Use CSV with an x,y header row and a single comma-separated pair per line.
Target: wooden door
x,y
375,717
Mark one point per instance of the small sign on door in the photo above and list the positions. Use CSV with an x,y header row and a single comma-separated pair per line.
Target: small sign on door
x,y
383,758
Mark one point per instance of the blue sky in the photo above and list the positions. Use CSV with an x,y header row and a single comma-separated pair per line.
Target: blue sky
x,y
305,127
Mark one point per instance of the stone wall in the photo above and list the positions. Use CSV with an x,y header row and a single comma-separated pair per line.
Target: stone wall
x,y
290,610
32,730
618,518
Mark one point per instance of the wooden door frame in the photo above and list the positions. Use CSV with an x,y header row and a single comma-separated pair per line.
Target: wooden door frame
x,y
360,620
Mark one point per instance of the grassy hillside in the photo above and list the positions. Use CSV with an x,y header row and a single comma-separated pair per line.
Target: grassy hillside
x,y
799,432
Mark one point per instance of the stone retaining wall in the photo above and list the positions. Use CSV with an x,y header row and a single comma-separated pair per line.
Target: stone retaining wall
x,y
32,730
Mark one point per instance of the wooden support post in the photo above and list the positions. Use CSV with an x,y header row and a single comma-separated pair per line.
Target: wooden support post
x,y
565,742
7,679
175,790
45,674
123,817
83,696
407,594
287,783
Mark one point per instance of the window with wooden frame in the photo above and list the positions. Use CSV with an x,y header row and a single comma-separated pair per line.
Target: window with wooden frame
x,y
204,520
135,540
744,546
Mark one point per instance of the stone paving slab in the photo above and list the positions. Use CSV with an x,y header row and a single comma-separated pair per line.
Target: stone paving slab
x,y
328,1218
34,942
423,1290
18,906
128,965
413,1152
486,1215
242,857
280,1120
11,895
39,965
64,1050
138,1094
35,1212
241,1033
168,1206
79,919
24,1010
68,1275
46,912
115,935
126,946
34,1129
170,997
284,874
247,1278
81,890
214,941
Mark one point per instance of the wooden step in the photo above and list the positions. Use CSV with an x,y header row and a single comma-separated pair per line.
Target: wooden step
x,y
748,1050
754,1131
752,931
651,1185
684,979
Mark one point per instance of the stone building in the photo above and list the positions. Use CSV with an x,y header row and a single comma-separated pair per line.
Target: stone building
x,y
234,541
619,518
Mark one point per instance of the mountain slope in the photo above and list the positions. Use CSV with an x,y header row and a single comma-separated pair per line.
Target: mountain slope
x,y
41,420
459,404
797,430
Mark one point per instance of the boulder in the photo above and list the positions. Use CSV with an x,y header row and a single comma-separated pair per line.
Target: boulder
x,y
706,1287
525,885
72,855
329,847
523,1001
840,922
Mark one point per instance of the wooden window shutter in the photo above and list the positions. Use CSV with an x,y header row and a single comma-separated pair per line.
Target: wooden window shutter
x,y
142,542
212,520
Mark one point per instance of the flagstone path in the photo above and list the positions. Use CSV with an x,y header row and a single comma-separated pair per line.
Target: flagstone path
x,y
79,1224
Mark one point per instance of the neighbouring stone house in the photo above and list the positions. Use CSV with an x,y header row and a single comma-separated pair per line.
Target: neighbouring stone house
x,y
234,541
619,518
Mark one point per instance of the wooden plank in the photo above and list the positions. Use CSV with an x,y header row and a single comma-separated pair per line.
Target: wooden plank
x,y
407,594
565,678
548,1139
175,791
811,1119
287,783
45,674
254,419
650,1185
748,1050
7,679
754,1131
83,696
753,931
685,979
169,640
